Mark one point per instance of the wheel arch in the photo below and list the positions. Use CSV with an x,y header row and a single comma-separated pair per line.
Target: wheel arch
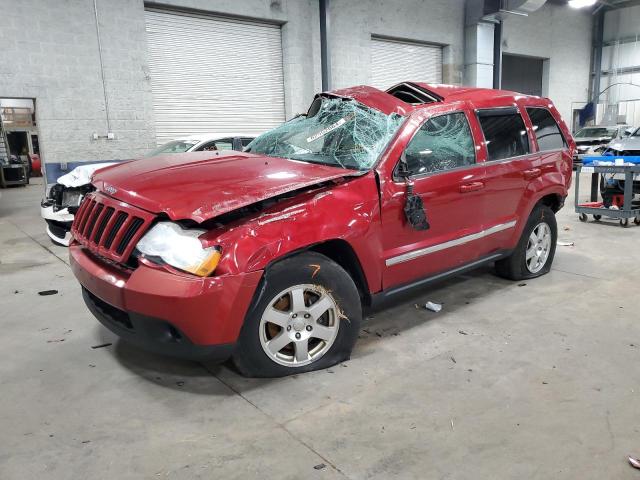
x,y
341,252
554,201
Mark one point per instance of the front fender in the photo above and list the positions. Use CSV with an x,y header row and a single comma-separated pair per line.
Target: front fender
x,y
349,211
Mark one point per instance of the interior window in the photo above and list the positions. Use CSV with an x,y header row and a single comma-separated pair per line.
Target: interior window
x,y
547,130
442,143
504,133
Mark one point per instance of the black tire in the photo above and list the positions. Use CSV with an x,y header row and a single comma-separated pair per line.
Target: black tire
x,y
597,217
636,220
514,267
624,222
307,268
582,217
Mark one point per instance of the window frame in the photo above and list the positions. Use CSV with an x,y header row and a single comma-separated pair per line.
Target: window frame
x,y
466,113
564,140
484,138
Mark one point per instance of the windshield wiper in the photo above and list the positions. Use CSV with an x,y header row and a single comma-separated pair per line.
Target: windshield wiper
x,y
336,163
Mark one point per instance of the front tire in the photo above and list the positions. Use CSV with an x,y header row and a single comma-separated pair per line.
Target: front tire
x,y
306,317
534,253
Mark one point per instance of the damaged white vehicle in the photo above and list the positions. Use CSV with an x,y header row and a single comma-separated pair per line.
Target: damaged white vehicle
x,y
63,198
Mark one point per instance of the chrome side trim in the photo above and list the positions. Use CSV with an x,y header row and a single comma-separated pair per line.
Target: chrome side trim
x,y
405,257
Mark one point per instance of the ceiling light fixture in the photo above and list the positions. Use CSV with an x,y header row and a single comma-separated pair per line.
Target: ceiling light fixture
x,y
582,3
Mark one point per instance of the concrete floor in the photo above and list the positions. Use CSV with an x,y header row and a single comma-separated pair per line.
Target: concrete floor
x,y
537,381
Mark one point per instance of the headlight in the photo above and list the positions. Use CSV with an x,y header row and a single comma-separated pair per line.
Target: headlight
x,y
180,248
71,198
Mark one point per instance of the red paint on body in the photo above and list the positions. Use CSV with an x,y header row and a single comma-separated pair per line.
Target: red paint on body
x,y
364,210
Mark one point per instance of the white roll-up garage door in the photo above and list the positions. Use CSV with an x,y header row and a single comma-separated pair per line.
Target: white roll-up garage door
x,y
394,62
213,75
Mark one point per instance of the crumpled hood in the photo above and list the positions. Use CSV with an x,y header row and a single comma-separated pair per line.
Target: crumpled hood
x,y
81,175
203,185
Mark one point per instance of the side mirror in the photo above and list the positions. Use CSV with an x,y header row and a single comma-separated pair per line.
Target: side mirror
x,y
413,206
628,132
403,167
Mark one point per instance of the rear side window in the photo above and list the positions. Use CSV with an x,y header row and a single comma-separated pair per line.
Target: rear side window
x,y
442,143
547,131
504,133
222,144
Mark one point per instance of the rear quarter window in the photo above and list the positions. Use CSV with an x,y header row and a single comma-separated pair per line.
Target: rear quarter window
x,y
546,129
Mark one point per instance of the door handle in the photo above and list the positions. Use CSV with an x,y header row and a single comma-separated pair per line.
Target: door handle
x,y
471,187
531,174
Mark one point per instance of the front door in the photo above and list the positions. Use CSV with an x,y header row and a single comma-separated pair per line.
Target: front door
x,y
445,173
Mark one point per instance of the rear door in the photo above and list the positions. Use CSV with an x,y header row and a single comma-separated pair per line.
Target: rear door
x,y
447,176
510,160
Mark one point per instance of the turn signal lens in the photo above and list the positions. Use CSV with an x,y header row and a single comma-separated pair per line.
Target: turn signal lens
x,y
207,266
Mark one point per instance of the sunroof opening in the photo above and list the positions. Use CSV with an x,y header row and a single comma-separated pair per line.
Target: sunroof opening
x,y
412,94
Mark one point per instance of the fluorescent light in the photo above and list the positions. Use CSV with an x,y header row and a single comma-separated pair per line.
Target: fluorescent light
x,y
582,3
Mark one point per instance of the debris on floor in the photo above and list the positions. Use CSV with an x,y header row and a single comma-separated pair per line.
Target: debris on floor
x,y
56,340
434,307
635,463
320,466
522,284
453,360
462,332
565,244
44,293
102,345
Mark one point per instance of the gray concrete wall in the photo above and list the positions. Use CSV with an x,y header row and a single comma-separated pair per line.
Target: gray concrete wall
x,y
354,22
563,36
50,53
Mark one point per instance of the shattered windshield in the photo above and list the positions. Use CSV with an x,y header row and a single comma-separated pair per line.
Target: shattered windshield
x,y
338,132
177,146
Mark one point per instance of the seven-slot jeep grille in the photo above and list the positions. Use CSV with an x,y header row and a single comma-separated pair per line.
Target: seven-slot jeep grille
x,y
109,228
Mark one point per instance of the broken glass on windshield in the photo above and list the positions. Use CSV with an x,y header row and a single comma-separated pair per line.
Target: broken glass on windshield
x,y
335,131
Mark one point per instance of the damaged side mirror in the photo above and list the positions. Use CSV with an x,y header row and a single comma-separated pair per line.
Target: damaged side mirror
x,y
413,207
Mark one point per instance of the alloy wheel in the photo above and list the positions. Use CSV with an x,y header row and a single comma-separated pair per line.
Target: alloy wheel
x,y
299,325
538,247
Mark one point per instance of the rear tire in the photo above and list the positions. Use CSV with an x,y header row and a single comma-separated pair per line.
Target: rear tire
x,y
306,316
534,253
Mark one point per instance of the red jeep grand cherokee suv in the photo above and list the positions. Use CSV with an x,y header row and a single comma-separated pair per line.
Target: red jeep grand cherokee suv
x,y
270,255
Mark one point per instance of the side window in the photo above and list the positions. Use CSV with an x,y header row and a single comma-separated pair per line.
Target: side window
x,y
547,131
222,144
504,133
442,143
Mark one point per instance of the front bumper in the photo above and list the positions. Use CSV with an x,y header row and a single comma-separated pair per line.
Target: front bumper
x,y
164,312
58,223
